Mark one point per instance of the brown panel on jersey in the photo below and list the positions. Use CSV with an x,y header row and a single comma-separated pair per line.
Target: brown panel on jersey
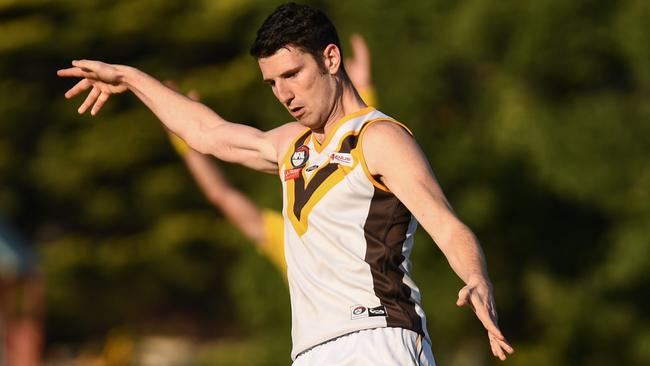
x,y
385,233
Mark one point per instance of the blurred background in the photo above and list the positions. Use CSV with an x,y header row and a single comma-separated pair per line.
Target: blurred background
x,y
535,116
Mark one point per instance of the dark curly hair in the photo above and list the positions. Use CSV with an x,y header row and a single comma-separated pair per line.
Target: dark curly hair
x,y
296,25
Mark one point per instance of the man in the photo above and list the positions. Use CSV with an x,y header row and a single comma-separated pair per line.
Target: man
x,y
264,227
354,181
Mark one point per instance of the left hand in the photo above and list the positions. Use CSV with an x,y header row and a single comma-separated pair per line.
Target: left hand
x,y
477,294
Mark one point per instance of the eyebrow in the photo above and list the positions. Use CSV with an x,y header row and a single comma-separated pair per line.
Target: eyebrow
x,y
286,73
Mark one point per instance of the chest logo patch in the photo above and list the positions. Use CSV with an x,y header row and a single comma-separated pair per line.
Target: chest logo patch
x,y
300,156
344,159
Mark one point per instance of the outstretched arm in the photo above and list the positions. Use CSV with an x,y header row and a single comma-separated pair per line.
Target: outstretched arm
x,y
198,125
393,156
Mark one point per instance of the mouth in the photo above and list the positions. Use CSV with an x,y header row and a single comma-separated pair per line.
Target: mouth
x,y
297,112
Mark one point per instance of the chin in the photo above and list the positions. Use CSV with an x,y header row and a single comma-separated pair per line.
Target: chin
x,y
307,122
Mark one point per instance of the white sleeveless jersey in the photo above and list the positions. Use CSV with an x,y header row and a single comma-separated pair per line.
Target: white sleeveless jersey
x,y
347,240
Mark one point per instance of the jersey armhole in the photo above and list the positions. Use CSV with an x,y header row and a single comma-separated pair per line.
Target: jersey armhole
x,y
375,182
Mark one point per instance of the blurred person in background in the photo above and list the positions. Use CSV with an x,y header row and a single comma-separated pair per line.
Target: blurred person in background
x,y
262,226
354,183
22,301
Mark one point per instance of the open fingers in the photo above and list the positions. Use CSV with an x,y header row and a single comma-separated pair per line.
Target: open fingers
x,y
103,97
494,346
488,322
480,300
504,345
500,348
93,70
488,318
78,88
88,66
90,100
81,69
75,72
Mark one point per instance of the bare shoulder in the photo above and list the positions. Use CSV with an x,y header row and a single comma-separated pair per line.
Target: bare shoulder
x,y
386,143
385,131
385,137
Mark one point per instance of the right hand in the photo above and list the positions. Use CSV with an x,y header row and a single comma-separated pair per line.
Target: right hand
x,y
105,80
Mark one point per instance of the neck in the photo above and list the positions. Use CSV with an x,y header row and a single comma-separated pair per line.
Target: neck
x,y
347,101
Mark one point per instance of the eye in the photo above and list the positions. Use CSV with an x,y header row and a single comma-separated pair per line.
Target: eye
x,y
290,74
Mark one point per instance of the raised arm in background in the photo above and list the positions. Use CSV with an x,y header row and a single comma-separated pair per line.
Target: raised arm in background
x,y
360,71
261,226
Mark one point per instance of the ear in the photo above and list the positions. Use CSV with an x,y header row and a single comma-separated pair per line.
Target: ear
x,y
332,58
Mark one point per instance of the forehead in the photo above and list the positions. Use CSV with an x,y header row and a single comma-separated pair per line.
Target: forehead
x,y
286,58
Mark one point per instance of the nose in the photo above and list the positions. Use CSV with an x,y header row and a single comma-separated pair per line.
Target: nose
x,y
284,93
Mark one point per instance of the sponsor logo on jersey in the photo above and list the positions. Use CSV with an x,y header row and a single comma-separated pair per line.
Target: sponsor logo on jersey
x,y
311,168
292,173
344,159
300,156
378,311
358,312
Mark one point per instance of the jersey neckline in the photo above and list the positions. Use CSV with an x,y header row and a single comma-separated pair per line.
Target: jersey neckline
x,y
328,137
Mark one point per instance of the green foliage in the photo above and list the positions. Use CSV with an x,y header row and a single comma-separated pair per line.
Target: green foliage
x,y
533,115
